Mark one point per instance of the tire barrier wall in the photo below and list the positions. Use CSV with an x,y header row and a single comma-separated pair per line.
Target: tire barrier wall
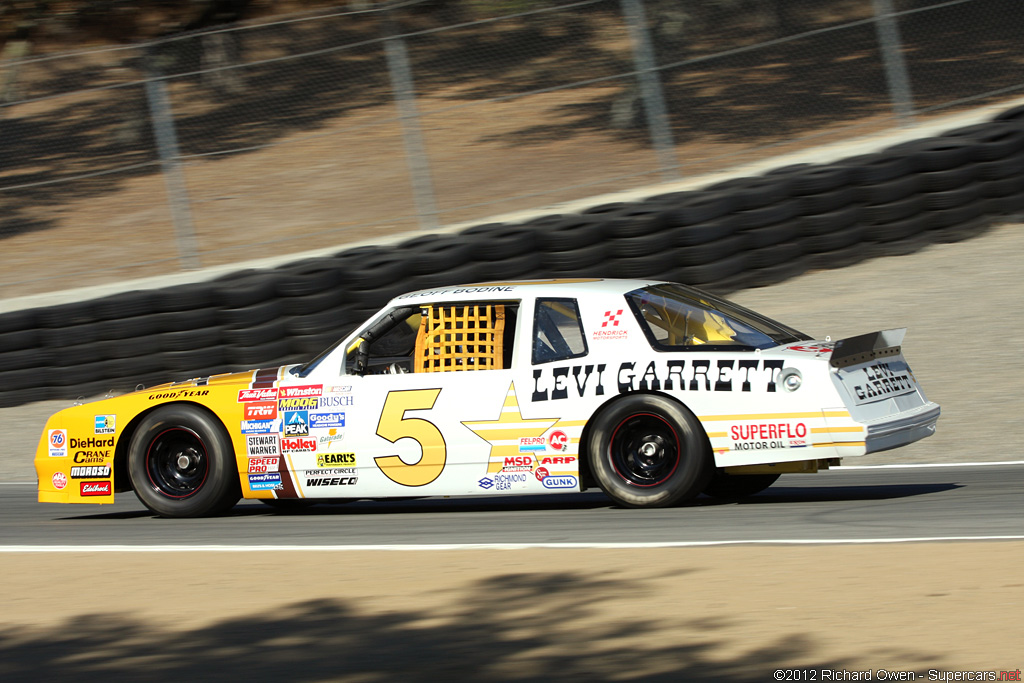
x,y
741,233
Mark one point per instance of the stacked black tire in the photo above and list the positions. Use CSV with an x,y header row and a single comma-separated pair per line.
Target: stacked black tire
x,y
745,232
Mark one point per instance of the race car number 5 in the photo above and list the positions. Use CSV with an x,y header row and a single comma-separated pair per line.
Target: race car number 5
x,y
394,425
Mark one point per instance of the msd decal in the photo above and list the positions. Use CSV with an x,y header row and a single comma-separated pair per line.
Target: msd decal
x,y
247,395
95,488
261,410
302,392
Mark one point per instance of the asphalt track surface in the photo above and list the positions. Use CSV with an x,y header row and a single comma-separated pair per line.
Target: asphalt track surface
x,y
841,505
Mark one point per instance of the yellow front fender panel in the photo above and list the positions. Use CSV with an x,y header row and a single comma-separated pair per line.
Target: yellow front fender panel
x,y
84,447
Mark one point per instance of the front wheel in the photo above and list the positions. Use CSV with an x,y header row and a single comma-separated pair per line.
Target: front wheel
x,y
646,450
182,464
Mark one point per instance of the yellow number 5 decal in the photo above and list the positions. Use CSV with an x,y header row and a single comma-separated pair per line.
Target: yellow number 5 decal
x,y
394,425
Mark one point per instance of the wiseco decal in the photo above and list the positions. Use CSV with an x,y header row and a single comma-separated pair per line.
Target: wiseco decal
x,y
246,395
95,488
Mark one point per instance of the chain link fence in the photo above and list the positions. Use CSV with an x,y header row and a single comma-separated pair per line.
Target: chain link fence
x,y
314,131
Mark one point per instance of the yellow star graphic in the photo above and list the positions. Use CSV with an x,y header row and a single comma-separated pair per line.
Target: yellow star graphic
x,y
504,433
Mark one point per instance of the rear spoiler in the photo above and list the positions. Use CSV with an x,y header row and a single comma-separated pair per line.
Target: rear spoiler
x,y
867,347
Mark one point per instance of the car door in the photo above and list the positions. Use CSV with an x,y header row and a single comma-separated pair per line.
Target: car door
x,y
404,410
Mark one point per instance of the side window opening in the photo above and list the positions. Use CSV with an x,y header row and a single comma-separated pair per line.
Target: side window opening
x,y
463,337
438,338
557,331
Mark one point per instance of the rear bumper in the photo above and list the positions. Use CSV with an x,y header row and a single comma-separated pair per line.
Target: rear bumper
x,y
911,426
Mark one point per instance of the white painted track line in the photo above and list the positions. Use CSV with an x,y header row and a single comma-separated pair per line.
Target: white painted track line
x,y
483,546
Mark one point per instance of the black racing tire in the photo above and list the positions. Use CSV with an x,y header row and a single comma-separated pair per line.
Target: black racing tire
x,y
874,169
891,190
736,486
181,463
648,451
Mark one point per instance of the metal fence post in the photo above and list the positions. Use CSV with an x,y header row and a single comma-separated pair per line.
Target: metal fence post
x,y
892,57
167,148
650,89
415,151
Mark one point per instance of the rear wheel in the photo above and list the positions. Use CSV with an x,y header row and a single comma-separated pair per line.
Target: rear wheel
x,y
182,464
735,486
648,451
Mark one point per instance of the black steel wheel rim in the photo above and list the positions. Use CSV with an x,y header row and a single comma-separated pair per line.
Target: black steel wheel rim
x,y
644,450
177,462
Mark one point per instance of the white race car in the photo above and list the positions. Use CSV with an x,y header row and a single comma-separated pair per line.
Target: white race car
x,y
653,391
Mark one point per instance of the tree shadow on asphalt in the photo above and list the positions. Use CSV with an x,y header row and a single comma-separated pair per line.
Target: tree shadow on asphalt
x,y
511,627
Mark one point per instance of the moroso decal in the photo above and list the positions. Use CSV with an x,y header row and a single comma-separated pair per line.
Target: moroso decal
x,y
90,472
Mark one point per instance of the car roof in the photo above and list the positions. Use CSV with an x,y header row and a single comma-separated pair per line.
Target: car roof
x,y
514,289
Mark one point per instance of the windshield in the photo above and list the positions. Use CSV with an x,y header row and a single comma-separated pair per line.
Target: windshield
x,y
677,317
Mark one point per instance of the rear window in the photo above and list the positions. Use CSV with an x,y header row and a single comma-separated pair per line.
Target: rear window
x,y
675,317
